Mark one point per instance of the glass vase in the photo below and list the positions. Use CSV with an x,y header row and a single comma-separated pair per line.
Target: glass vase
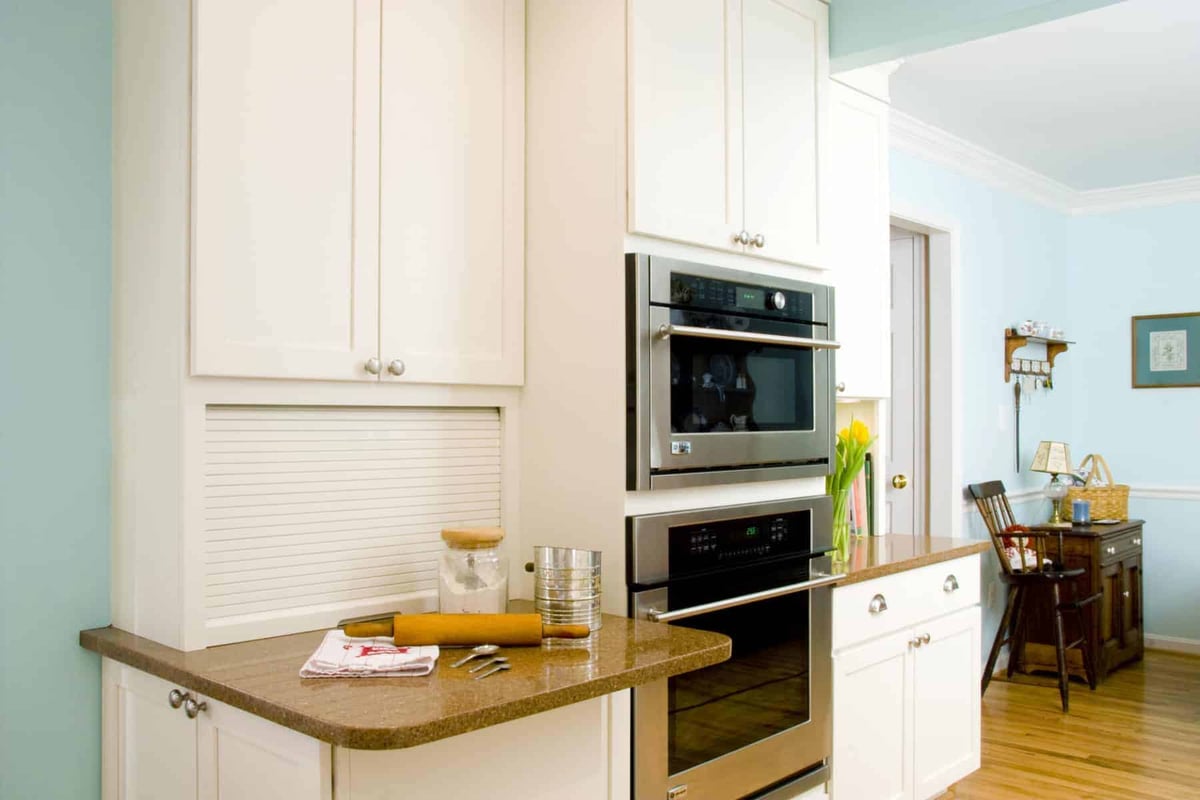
x,y
841,524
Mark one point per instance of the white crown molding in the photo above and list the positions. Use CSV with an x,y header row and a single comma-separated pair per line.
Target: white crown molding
x,y
939,146
931,143
1137,195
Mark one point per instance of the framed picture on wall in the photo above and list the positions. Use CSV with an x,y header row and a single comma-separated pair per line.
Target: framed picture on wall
x,y
1166,350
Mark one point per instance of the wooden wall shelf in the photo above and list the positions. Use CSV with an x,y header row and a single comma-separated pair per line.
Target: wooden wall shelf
x,y
1014,341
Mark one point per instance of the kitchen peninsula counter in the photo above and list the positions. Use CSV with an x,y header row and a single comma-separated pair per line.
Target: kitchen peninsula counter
x,y
262,677
876,556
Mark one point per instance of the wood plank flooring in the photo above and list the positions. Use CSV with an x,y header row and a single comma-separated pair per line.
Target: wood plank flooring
x,y
1137,736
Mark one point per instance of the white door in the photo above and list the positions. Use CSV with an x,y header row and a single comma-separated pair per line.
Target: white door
x,y
244,757
284,180
872,753
155,743
452,193
906,487
858,215
785,78
685,122
946,735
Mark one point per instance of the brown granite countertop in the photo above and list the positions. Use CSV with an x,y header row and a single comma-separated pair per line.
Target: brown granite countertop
x,y
262,677
876,556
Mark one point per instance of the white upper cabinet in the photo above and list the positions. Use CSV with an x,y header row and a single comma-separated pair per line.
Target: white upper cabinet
x,y
685,113
284,179
727,106
785,46
358,181
858,211
452,191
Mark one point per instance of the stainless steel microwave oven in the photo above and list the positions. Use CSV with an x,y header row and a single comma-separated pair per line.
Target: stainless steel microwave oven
x,y
730,375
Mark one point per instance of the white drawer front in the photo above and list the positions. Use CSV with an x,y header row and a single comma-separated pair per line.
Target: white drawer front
x,y
911,597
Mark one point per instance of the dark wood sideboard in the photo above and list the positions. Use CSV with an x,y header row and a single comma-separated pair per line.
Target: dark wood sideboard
x,y
1112,558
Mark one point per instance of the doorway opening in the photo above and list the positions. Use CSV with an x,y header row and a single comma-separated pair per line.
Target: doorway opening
x,y
926,404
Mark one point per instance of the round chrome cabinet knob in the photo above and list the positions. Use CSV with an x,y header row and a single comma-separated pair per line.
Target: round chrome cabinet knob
x,y
396,367
192,708
175,698
776,301
373,365
759,241
742,237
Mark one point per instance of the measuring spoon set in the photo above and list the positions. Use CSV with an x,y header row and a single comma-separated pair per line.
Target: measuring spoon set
x,y
496,664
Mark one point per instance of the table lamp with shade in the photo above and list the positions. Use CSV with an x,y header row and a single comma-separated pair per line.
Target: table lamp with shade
x,y
1055,459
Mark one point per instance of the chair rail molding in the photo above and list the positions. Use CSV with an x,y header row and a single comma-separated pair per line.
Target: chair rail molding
x,y
939,146
1165,492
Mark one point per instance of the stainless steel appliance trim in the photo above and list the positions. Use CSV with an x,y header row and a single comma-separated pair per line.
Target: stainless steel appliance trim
x,y
648,279
666,330
731,449
794,788
755,766
649,533
654,615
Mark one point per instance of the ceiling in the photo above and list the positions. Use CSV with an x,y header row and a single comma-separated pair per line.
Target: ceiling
x,y
1107,98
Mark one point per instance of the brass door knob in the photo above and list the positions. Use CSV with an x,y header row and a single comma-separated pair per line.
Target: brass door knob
x,y
899,481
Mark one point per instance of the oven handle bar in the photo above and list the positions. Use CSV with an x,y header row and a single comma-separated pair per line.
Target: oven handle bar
x,y
665,331
654,615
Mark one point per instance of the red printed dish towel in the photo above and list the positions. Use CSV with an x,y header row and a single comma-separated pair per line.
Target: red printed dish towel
x,y
340,656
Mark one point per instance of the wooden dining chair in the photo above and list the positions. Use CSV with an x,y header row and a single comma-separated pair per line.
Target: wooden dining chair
x,y
1032,577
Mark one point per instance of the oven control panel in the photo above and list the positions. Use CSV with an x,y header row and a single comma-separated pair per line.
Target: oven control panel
x,y
693,291
731,543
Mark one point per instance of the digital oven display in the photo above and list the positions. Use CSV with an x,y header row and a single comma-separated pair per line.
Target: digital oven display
x,y
749,297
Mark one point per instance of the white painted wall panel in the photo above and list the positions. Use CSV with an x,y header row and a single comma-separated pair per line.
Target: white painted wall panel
x,y
319,508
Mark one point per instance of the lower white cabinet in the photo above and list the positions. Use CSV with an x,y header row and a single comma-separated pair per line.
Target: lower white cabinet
x,y
906,698
200,748
153,750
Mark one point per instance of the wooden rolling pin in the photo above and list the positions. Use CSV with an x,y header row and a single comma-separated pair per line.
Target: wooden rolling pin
x,y
466,629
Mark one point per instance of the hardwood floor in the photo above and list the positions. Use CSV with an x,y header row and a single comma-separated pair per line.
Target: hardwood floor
x,y
1137,736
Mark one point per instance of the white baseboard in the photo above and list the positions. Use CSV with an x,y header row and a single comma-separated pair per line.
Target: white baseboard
x,y
1173,644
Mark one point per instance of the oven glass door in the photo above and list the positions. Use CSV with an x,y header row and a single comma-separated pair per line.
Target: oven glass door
x,y
736,401
763,690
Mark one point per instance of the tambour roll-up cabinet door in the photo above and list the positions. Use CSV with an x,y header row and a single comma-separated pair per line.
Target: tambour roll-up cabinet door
x,y
452,203
285,177
314,513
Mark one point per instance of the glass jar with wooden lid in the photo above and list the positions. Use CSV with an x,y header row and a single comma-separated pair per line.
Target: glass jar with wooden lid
x,y
473,573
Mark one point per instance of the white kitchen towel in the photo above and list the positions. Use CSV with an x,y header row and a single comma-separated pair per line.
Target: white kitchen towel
x,y
341,656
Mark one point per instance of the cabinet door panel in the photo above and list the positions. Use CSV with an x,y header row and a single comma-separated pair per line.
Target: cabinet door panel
x,y
156,744
285,175
1131,603
946,733
244,757
872,751
785,76
685,107
452,197
857,210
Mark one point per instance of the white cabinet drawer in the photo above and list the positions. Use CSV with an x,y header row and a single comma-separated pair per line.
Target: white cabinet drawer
x,y
911,597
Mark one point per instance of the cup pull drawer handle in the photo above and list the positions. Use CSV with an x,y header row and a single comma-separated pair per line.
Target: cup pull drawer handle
x,y
878,604
950,584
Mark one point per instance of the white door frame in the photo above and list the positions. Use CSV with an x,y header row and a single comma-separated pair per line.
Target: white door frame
x,y
944,368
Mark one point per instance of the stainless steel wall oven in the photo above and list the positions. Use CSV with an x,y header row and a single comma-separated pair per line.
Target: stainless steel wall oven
x,y
759,723
730,375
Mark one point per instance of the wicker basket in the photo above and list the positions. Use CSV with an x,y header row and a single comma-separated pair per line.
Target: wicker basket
x,y
1109,500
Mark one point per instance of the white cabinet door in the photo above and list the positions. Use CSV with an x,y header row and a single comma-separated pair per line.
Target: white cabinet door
x,y
946,734
872,753
285,188
150,748
244,757
858,207
685,121
785,53
452,192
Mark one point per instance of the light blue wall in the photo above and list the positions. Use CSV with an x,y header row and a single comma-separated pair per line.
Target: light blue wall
x,y
1142,261
55,123
865,32
1012,257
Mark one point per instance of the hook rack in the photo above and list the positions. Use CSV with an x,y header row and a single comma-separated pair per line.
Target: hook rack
x,y
1014,341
